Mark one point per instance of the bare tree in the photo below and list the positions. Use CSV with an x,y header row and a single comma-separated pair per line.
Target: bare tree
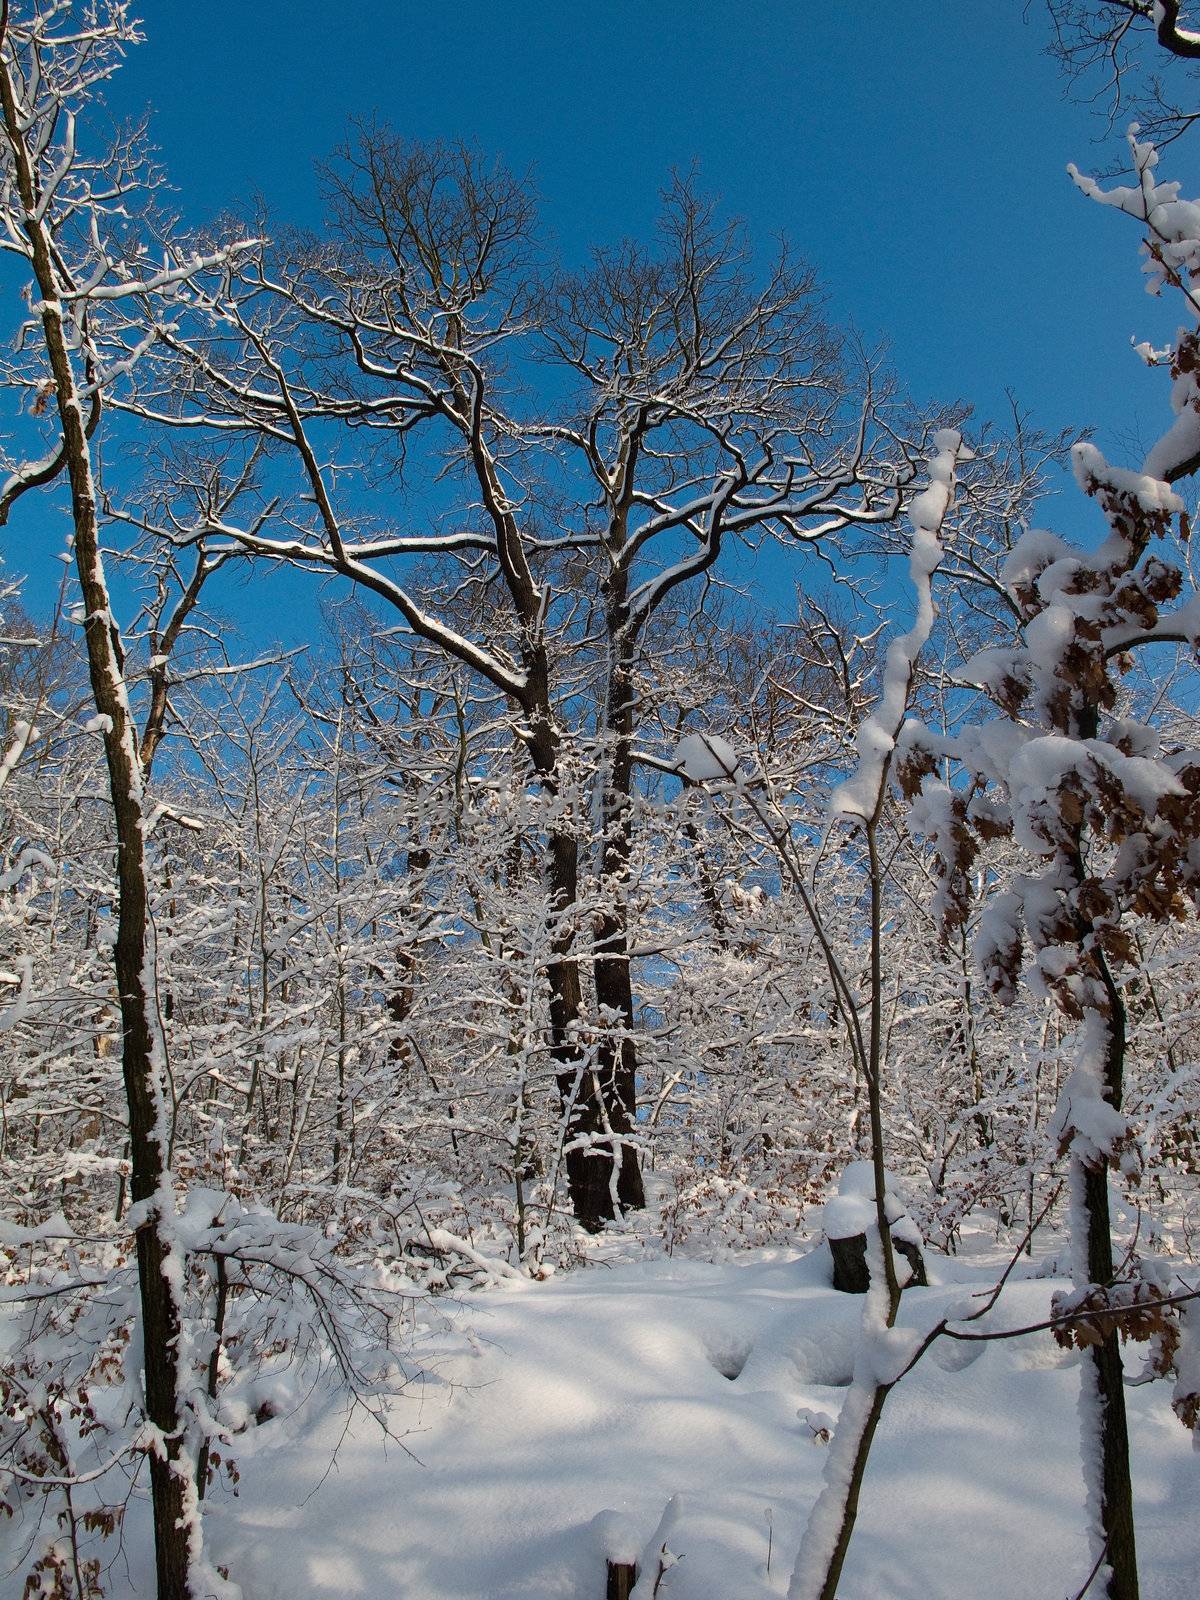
x,y
1108,812
1123,46
711,410
57,212
701,409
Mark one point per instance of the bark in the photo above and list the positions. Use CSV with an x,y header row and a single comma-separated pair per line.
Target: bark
x,y
1110,1480
850,1272
614,984
589,1158
142,1042
1110,1475
622,1578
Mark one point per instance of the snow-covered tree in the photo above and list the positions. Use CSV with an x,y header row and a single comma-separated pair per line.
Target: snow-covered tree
x,y
1103,802
691,403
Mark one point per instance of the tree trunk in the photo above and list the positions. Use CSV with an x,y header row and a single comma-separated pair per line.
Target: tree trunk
x,y
142,1041
142,1052
589,1158
617,1057
1108,1479
614,985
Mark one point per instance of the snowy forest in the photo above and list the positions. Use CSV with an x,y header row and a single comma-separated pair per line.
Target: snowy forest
x,y
654,1053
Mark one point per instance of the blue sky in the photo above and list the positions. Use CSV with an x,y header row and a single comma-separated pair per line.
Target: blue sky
x,y
914,153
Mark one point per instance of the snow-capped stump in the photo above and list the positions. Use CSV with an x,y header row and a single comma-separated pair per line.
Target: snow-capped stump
x,y
619,1540
846,1219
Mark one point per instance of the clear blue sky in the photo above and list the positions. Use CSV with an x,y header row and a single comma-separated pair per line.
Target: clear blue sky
x,y
915,153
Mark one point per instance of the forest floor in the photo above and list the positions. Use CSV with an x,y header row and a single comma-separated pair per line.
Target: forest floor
x,y
554,1422
558,1419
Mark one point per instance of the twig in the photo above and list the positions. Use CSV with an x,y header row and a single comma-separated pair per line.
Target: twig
x,y
1092,1575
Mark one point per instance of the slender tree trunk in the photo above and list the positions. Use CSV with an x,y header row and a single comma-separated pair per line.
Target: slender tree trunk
x,y
1105,1455
708,887
830,1529
1106,1465
143,1046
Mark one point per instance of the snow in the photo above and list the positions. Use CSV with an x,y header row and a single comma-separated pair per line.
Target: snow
x,y
589,1418
54,1227
1034,551
852,1210
858,1177
29,858
1172,257
706,758
1181,442
860,795
847,1215
23,735
1151,493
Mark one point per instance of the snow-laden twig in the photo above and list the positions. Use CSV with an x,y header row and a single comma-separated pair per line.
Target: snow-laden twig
x,y
861,795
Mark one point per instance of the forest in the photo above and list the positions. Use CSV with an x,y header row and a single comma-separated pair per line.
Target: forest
x,y
598,950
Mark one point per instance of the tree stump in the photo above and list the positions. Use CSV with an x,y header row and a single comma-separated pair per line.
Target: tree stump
x,y
622,1575
850,1273
912,1254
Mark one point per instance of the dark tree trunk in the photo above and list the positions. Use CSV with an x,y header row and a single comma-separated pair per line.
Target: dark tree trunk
x,y
1091,1185
133,960
1116,1492
141,1038
589,1159
614,984
850,1273
1109,1479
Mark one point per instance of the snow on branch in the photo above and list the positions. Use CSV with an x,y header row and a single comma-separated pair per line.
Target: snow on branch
x,y
1172,257
861,794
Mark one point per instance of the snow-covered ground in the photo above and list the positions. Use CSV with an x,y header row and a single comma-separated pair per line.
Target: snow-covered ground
x,y
615,1388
